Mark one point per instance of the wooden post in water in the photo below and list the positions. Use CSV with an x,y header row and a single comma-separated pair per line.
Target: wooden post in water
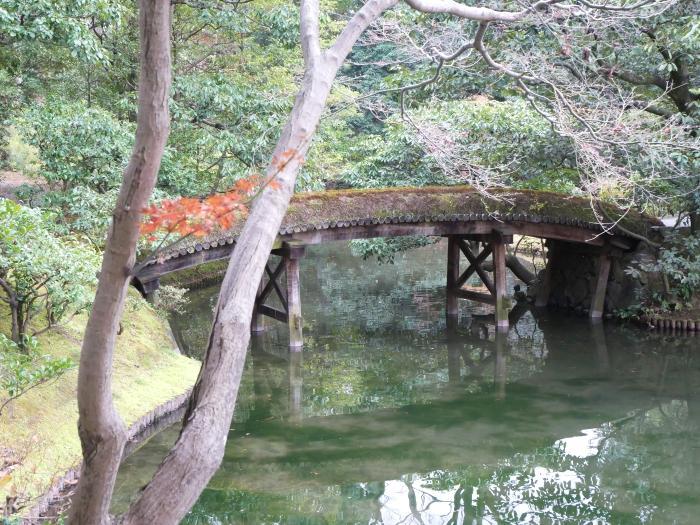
x,y
452,304
601,285
498,250
294,319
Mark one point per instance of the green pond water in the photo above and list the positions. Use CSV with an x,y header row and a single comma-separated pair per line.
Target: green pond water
x,y
390,417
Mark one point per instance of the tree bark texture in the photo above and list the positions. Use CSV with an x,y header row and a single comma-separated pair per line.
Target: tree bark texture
x,y
102,433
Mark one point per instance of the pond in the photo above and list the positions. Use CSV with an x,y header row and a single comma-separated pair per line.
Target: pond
x,y
389,416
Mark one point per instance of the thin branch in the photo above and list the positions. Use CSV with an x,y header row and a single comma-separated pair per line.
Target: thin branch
x,y
479,14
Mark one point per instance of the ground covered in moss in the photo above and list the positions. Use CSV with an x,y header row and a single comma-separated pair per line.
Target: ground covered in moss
x,y
38,432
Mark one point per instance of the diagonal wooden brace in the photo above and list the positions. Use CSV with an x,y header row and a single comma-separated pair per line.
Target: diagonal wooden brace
x,y
475,263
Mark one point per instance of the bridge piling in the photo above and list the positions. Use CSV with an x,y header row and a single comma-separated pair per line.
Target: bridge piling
x,y
293,255
495,246
545,285
150,290
452,302
498,249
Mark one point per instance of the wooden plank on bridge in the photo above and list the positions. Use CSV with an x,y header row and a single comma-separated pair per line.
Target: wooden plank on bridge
x,y
476,296
273,312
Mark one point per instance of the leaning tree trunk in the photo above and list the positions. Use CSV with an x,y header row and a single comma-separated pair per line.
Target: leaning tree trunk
x,y
102,433
198,451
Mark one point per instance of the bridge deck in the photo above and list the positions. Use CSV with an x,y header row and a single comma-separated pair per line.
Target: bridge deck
x,y
457,212
314,218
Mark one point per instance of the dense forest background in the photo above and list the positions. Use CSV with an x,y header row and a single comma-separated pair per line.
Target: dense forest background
x,y
68,88
400,114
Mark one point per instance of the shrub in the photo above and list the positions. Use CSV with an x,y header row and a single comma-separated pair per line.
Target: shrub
x,y
22,368
77,145
41,273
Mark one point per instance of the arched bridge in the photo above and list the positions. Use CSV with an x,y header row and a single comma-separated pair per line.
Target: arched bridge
x,y
459,213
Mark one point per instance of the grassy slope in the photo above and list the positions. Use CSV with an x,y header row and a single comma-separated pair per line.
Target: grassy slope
x,y
41,427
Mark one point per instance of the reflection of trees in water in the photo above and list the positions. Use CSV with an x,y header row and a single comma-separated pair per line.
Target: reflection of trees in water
x,y
378,349
373,297
622,471
551,484
583,484
344,376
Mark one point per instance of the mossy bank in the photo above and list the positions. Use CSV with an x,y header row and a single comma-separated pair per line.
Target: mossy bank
x,y
38,431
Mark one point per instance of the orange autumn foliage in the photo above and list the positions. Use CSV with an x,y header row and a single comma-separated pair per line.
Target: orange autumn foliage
x,y
187,216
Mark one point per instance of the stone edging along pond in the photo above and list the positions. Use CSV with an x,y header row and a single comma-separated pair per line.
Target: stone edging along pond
x,y
54,499
661,323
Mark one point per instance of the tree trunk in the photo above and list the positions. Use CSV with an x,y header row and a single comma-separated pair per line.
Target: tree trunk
x,y
196,455
102,433
199,449
695,223
14,308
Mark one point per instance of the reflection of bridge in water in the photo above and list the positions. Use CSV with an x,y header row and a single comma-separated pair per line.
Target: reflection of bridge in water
x,y
491,361
475,229
466,422
397,448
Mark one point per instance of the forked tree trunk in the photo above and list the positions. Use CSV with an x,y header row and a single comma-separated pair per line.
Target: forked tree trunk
x,y
197,454
102,433
198,451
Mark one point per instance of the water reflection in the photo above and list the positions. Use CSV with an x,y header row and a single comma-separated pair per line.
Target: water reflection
x,y
392,416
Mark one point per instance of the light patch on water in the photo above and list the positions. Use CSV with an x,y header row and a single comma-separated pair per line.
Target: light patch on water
x,y
584,446
413,502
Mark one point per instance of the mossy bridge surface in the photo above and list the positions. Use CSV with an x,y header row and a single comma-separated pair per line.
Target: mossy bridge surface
x,y
464,216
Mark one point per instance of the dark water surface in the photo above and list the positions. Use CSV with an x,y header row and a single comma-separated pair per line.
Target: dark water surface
x,y
388,416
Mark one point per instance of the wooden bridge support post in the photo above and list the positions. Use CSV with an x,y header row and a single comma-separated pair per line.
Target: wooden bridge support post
x,y
453,255
294,319
601,285
498,250
150,290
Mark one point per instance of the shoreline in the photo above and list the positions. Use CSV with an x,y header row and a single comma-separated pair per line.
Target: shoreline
x,y
54,502
152,381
